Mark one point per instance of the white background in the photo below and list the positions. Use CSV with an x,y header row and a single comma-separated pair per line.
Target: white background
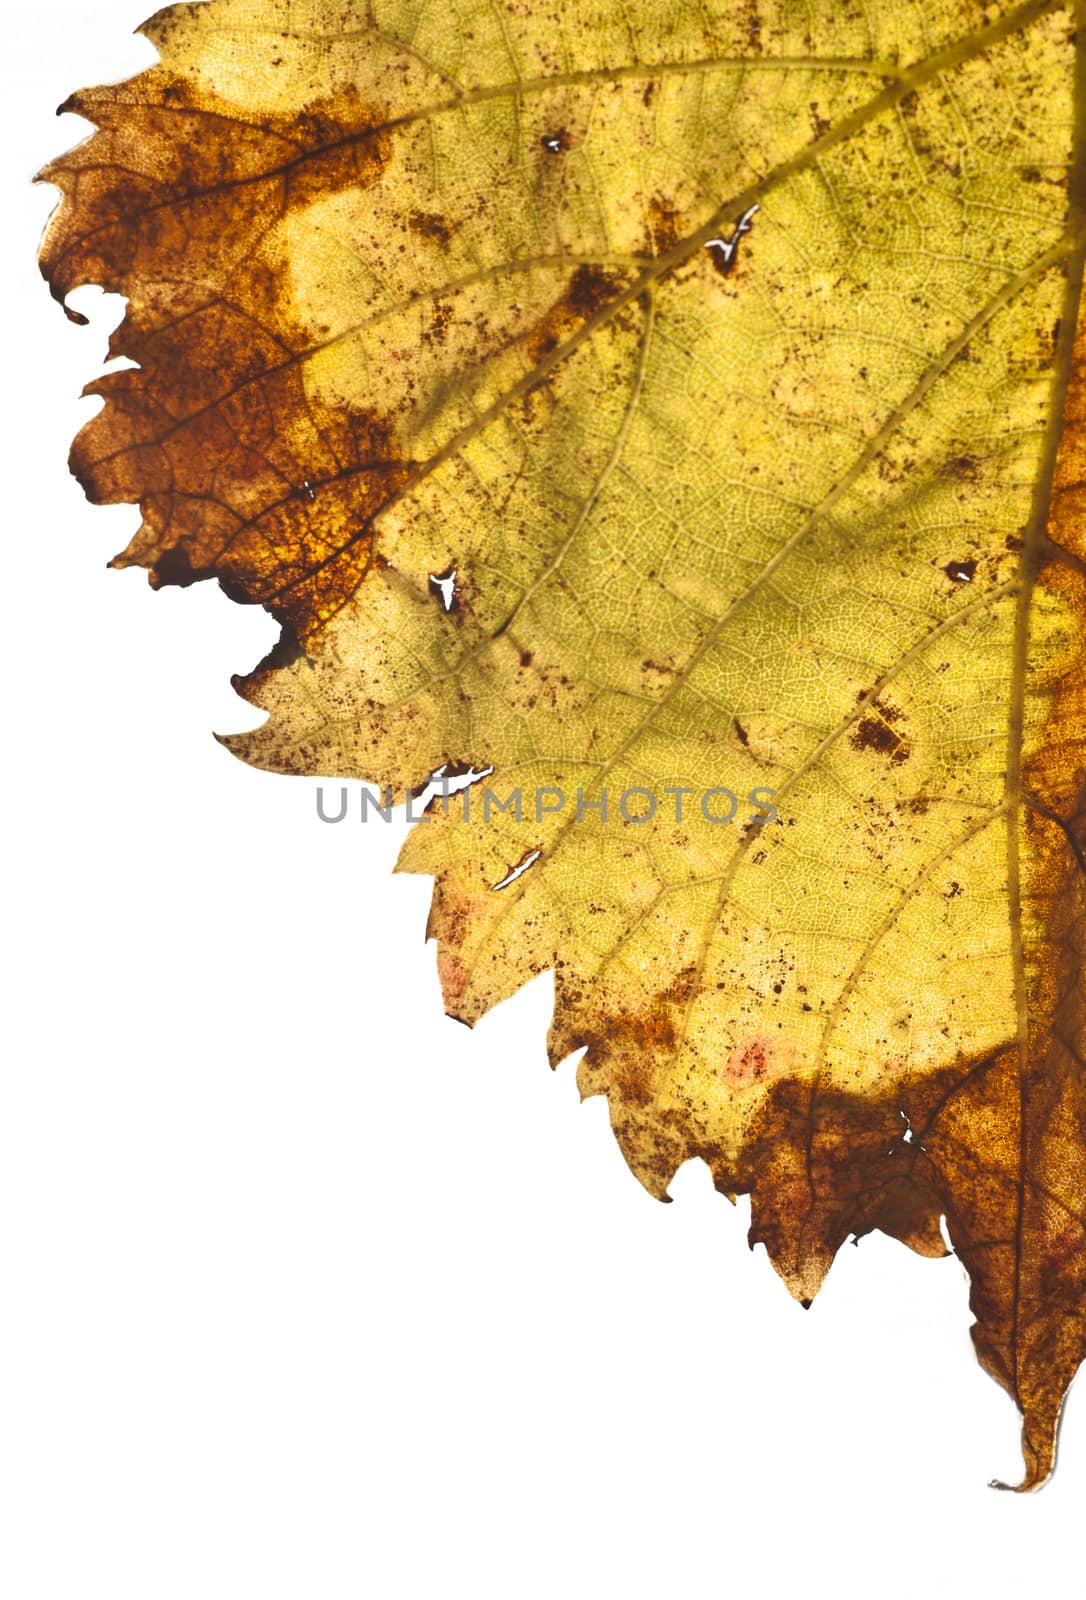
x,y
308,1291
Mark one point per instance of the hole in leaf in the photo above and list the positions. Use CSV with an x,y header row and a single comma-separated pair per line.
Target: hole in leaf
x,y
723,251
526,860
444,584
960,571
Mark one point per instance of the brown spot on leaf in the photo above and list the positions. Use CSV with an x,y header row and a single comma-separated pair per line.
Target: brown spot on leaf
x,y
665,226
429,225
588,290
440,317
874,731
820,123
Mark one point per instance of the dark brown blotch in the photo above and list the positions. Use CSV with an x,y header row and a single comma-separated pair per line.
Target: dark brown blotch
x,y
875,731
665,228
588,291
429,225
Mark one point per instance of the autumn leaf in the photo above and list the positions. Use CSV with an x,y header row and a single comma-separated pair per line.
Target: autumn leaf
x,y
679,402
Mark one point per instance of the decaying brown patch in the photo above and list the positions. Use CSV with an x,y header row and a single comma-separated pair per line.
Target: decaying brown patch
x,y
876,731
239,475
964,468
665,225
430,225
589,289
623,1050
